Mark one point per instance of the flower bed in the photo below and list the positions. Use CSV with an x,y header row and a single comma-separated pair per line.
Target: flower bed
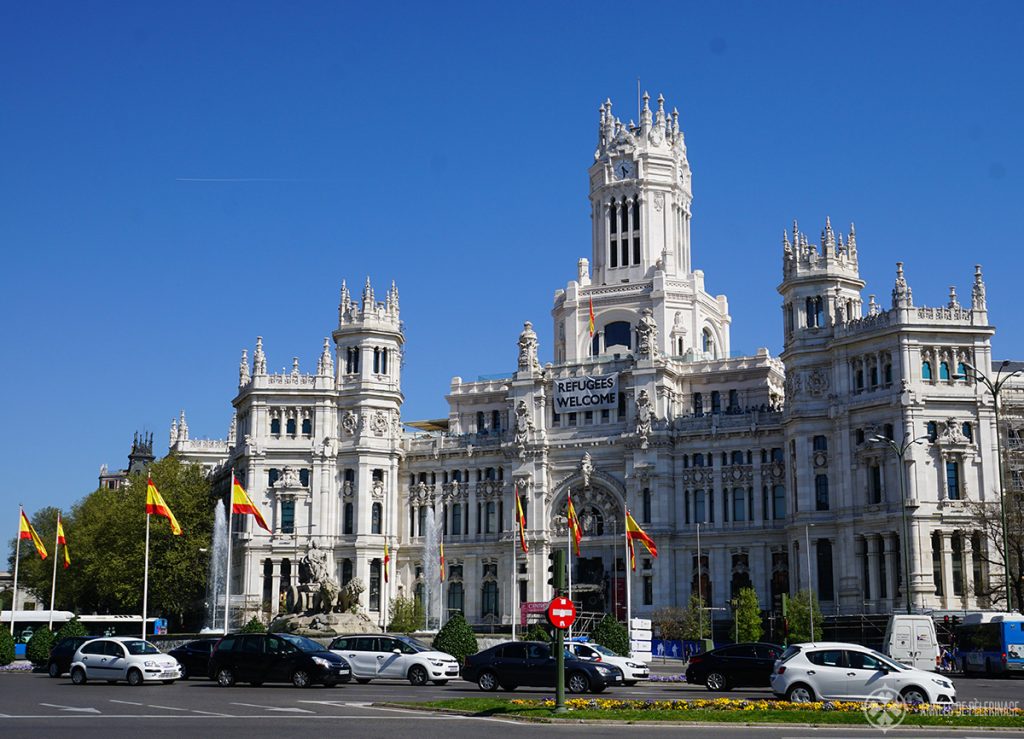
x,y
740,704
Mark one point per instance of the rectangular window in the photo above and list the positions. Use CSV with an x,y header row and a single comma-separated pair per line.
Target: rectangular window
x,y
953,482
588,416
457,519
572,419
739,505
778,503
490,523
648,590
556,419
636,251
605,415
287,516
874,484
307,427
821,492
698,507
613,252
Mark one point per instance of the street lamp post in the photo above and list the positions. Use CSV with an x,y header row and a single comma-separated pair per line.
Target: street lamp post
x,y
810,603
901,450
995,387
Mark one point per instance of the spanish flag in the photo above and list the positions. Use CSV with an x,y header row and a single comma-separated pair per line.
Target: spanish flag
x,y
442,560
25,531
61,541
522,522
242,503
387,560
633,531
574,525
155,504
591,316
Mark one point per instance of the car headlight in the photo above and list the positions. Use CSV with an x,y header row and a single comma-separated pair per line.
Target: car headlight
x,y
603,670
943,683
322,662
436,662
635,666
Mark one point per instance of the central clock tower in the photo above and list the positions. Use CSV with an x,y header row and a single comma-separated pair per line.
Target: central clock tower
x,y
640,197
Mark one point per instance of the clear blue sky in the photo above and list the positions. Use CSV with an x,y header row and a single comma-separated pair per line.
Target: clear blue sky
x,y
445,146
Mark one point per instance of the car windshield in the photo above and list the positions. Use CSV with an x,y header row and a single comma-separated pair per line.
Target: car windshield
x,y
138,646
415,644
603,650
305,645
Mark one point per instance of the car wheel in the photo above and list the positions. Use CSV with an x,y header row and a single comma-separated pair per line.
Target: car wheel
x,y
301,679
800,693
225,677
417,675
363,680
578,682
135,678
914,695
715,681
629,683
78,676
53,670
184,672
440,682
487,681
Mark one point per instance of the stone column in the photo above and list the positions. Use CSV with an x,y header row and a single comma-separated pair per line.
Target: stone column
x,y
967,549
873,545
889,546
275,587
948,599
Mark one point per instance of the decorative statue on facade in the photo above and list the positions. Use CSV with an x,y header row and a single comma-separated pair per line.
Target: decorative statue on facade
x,y
243,370
528,348
643,417
522,427
321,590
978,290
290,478
586,469
953,434
647,335
259,359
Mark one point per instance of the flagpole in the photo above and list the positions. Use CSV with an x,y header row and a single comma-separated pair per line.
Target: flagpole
x,y
53,586
568,559
700,591
227,572
386,584
145,582
17,561
512,581
629,584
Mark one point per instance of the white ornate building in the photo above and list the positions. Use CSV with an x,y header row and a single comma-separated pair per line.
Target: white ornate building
x,y
764,453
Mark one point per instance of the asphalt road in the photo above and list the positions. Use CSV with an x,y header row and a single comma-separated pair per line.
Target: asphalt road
x,y
33,704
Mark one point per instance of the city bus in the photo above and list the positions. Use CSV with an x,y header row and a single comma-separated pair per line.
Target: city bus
x,y
27,623
991,646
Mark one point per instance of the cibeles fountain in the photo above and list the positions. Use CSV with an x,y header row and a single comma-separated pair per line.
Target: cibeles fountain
x,y
318,606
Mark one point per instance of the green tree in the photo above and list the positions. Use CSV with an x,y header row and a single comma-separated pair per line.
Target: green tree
x,y
748,616
536,632
696,622
610,633
254,626
798,618
72,628
106,538
456,638
6,647
407,615
39,645
668,622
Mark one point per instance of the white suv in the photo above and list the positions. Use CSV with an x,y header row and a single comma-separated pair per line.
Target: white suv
x,y
120,658
633,669
835,670
374,656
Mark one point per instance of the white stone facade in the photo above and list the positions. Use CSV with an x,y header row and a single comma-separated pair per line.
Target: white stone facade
x,y
763,452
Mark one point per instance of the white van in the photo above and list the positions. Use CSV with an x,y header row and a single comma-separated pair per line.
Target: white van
x,y
912,641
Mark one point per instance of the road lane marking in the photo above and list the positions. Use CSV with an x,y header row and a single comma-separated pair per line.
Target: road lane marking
x,y
168,708
70,708
127,703
211,713
270,708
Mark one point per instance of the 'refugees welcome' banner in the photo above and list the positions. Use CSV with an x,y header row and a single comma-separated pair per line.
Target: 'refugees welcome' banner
x,y
586,393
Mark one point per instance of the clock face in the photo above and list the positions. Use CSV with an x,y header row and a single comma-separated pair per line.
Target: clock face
x,y
624,170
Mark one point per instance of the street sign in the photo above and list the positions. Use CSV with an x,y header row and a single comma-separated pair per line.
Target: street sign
x,y
561,613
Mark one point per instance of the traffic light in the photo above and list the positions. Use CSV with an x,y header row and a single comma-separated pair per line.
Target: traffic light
x,y
556,571
956,621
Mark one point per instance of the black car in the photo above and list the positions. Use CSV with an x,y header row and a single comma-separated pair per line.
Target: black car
x,y
737,665
194,657
533,664
62,652
270,658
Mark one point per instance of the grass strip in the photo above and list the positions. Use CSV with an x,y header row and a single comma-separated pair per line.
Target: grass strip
x,y
506,708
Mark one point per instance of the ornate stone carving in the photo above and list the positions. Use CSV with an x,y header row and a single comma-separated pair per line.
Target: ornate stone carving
x,y
243,370
523,427
953,434
817,382
644,416
586,469
659,201
978,290
902,297
259,359
528,348
377,489
379,422
647,335
349,422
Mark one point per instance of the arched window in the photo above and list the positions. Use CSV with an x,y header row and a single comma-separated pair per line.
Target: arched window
x,y
275,426
961,371
943,371
376,360
376,514
708,343
617,333
636,231
307,427
820,443
346,571
347,521
926,370
290,427
821,492
819,312
613,228
456,598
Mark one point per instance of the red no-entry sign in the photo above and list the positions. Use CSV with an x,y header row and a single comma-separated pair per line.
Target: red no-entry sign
x,y
561,613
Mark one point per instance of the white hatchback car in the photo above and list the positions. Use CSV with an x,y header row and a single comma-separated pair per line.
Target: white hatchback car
x,y
836,670
122,658
633,670
376,656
